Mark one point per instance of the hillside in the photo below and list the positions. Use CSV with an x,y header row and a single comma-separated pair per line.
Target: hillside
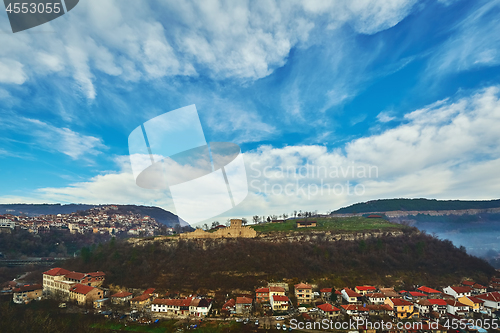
x,y
386,205
225,265
162,216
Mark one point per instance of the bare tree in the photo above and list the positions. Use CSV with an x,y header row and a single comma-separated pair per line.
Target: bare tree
x,y
256,219
244,221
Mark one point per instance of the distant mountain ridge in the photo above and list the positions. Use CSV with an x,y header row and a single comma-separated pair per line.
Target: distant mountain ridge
x,y
421,204
161,215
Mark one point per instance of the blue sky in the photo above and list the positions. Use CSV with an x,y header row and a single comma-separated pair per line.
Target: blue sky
x,y
409,87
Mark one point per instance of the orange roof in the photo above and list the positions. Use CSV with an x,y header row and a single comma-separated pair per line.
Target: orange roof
x,y
280,298
437,301
243,300
400,302
428,290
262,290
354,307
303,286
326,290
28,288
365,288
75,275
328,307
56,271
229,304
468,283
96,274
149,291
352,293
417,294
81,289
140,298
277,289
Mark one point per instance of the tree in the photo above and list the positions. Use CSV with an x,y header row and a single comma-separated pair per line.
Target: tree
x,y
244,221
256,219
215,223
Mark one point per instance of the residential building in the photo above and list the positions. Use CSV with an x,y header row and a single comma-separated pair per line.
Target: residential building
x,y
363,290
279,303
415,295
431,293
402,309
303,293
457,308
262,295
122,297
351,296
458,292
475,304
389,293
200,307
355,310
326,294
328,311
491,300
179,307
57,281
229,307
27,293
276,291
243,305
84,294
306,224
439,305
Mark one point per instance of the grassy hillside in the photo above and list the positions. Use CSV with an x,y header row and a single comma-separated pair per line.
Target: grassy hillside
x,y
340,224
385,205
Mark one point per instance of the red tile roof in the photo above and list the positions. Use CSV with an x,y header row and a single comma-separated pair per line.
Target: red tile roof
x,y
468,283
354,307
303,286
326,290
96,274
363,288
437,301
280,298
428,290
277,289
455,303
262,290
149,291
400,302
243,300
478,286
56,271
352,293
475,299
140,298
121,294
493,296
461,290
75,275
81,289
229,304
402,291
417,294
375,295
328,308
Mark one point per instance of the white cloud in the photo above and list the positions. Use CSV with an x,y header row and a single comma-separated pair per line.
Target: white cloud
x,y
242,40
385,117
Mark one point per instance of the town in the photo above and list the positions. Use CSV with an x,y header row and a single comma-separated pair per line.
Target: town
x,y
98,220
279,305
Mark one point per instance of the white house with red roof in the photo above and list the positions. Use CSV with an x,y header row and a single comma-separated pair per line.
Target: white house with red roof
x,y
279,303
121,297
458,292
491,300
351,296
431,293
376,298
457,308
440,305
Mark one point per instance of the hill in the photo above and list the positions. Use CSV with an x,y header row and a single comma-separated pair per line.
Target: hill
x,y
162,216
386,205
229,264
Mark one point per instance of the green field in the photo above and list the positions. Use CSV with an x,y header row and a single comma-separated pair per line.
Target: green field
x,y
340,224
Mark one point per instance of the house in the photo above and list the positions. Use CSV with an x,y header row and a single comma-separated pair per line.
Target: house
x,y
121,297
478,289
439,305
27,293
200,307
355,310
229,307
389,293
140,302
379,309
276,291
376,298
328,311
243,305
491,300
262,295
326,294
306,224
279,303
58,281
402,309
177,306
457,308
475,304
303,292
415,295
363,290
425,307
431,293
351,296
84,294
458,292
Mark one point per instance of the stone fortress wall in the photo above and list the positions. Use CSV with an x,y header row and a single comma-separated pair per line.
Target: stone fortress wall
x,y
235,230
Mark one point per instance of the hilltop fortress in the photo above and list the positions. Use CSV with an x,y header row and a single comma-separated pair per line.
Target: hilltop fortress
x,y
235,230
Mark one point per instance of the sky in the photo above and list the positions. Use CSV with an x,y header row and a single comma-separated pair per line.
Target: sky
x,y
331,103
